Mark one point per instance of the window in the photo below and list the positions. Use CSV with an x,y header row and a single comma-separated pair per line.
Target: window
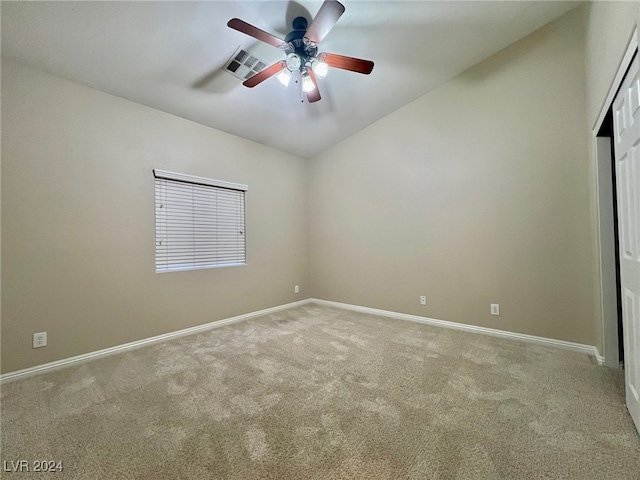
x,y
199,222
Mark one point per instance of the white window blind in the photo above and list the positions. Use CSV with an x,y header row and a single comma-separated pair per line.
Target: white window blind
x,y
200,222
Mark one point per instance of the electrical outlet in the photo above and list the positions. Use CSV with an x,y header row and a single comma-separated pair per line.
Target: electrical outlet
x,y
423,300
296,289
39,339
495,309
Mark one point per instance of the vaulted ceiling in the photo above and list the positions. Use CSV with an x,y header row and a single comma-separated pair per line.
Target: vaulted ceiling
x,y
169,56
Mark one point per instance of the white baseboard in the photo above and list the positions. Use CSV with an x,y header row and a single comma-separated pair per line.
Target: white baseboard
x,y
549,342
47,367
599,358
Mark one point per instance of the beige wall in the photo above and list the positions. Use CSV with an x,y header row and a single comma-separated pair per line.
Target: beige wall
x,y
475,193
609,27
78,221
608,30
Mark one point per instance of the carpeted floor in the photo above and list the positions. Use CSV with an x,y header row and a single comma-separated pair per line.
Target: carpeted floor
x,y
324,393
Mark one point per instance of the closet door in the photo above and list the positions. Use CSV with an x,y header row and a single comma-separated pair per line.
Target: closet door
x,y
626,118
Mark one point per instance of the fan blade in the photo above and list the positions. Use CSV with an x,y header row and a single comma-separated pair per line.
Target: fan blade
x,y
268,72
347,63
313,95
327,16
255,32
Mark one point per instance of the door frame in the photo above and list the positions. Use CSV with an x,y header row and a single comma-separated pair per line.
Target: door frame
x,y
604,212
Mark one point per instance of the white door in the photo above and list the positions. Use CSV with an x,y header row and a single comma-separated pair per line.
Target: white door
x,y
626,119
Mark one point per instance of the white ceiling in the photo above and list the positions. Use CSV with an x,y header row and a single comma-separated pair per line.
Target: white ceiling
x,y
169,55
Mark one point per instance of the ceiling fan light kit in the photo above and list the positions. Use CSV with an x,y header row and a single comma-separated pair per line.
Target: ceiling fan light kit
x,y
294,62
307,83
285,77
319,67
301,49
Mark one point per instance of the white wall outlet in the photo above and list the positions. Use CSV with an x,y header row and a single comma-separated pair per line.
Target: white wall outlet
x,y
296,289
423,300
39,339
495,309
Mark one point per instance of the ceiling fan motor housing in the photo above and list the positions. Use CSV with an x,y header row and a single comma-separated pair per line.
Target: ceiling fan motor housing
x,y
297,45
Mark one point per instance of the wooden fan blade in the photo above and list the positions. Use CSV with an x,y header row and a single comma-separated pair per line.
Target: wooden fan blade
x,y
268,72
327,16
255,32
347,63
313,95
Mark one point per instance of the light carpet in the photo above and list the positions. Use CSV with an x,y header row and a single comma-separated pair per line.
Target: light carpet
x,y
324,393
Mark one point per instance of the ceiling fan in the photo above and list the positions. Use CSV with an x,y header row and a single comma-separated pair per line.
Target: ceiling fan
x,y
301,48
